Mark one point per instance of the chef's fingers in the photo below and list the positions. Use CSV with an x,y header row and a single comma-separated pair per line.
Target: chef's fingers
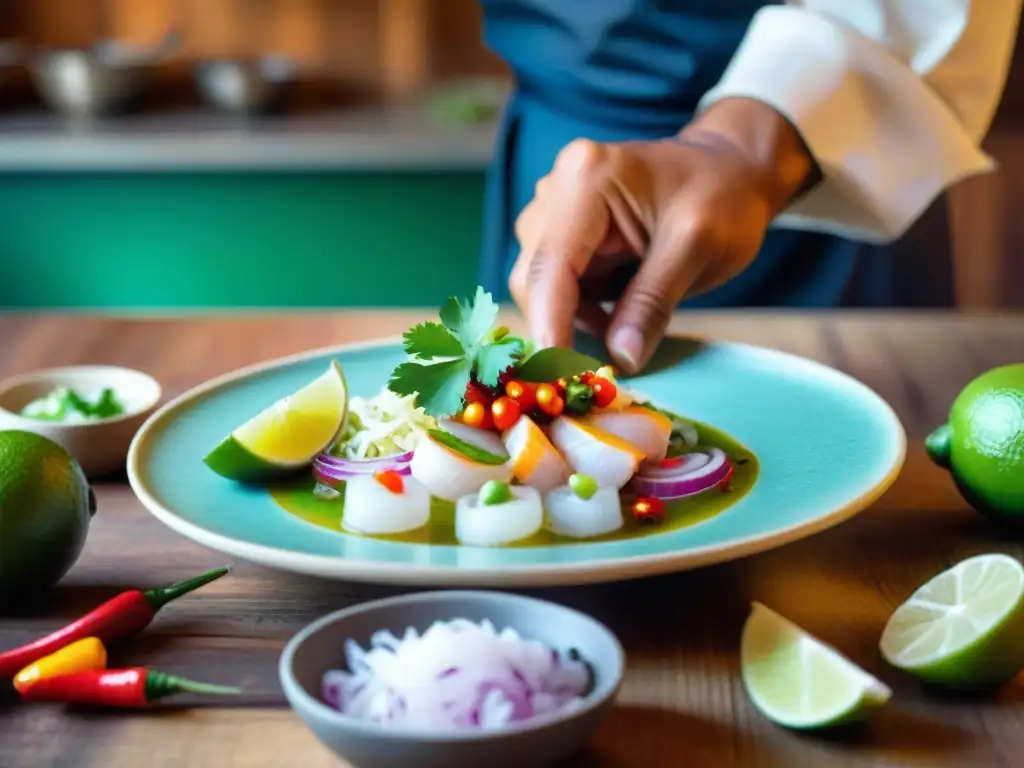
x,y
558,241
685,242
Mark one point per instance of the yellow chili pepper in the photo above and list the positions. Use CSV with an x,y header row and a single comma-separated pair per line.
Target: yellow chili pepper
x,y
85,655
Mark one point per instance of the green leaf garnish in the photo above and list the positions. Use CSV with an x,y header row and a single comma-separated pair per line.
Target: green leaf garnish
x,y
431,340
466,336
471,321
467,449
108,405
556,363
495,358
439,387
60,403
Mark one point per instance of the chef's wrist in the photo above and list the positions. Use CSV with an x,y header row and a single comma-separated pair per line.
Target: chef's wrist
x,y
765,139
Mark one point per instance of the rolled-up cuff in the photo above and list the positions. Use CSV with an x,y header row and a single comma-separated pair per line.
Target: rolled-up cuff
x,y
885,142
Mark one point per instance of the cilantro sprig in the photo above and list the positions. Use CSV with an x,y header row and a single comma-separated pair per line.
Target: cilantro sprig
x,y
448,355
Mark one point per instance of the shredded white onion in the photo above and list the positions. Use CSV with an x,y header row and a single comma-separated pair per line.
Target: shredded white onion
x,y
456,675
382,425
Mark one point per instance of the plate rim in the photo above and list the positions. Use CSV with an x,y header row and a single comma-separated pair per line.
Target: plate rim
x,y
524,575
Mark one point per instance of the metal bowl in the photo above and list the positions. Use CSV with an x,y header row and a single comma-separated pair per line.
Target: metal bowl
x,y
81,84
245,86
95,81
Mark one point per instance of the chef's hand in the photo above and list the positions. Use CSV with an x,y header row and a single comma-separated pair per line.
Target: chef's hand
x,y
693,209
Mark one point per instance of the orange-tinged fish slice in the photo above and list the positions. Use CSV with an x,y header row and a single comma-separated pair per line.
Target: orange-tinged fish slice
x,y
644,428
535,461
607,458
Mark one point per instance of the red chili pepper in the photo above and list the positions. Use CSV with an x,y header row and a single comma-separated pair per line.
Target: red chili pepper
x,y
604,392
523,393
127,614
390,480
505,413
725,484
648,510
130,687
476,394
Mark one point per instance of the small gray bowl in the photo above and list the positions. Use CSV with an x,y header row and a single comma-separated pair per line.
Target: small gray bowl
x,y
536,743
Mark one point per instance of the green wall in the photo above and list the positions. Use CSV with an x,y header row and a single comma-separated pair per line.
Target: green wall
x,y
237,239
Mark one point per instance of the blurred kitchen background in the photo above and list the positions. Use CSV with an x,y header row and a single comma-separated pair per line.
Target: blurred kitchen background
x,y
270,153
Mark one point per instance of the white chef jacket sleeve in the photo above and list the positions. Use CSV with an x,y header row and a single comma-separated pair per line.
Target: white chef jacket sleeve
x,y
891,97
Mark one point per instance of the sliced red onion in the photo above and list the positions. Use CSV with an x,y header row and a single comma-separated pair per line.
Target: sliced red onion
x,y
685,475
458,675
337,470
366,465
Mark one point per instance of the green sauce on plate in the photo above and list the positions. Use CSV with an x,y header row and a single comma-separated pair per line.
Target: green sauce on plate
x,y
298,499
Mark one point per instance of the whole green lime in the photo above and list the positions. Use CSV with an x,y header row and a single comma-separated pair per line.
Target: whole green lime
x,y
45,508
983,443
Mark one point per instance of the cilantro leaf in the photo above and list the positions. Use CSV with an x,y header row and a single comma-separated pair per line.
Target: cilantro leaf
x,y
467,335
439,387
429,340
451,314
493,359
472,321
108,405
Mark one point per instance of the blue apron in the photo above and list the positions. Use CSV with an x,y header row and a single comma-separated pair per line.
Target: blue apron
x,y
620,70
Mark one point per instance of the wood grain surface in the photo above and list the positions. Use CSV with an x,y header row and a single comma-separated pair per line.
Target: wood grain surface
x,y
682,703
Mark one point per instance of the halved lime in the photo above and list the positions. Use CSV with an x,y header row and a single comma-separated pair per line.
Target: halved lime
x,y
964,628
287,435
797,681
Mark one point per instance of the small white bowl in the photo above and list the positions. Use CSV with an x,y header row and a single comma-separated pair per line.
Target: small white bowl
x,y
99,446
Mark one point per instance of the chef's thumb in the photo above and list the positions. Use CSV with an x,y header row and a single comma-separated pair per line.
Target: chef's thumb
x,y
672,264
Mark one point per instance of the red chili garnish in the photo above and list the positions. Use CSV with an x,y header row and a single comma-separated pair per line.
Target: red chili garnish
x,y
506,376
561,385
504,413
131,687
674,461
475,393
477,415
586,377
604,391
725,484
390,480
549,401
647,509
523,393
122,616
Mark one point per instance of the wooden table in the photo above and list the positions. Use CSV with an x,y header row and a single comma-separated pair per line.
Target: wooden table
x,y
682,702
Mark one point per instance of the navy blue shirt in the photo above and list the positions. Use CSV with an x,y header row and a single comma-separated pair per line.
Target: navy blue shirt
x,y
623,70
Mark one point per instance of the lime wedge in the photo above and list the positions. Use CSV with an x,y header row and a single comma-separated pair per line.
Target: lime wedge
x,y
799,682
287,435
964,628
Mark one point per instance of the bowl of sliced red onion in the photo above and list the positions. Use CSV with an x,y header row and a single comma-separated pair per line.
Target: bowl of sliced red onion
x,y
452,680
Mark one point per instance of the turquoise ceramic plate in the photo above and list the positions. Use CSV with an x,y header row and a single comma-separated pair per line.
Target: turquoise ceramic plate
x,y
827,445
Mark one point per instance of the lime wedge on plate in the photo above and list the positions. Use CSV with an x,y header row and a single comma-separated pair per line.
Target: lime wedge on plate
x,y
799,682
964,628
287,435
